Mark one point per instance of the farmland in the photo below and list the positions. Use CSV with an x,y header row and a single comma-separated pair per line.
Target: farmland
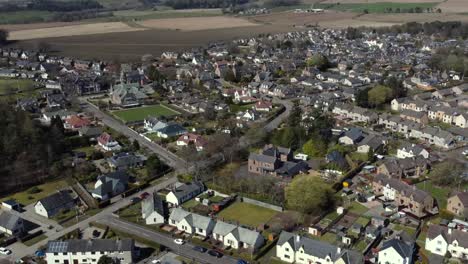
x,y
139,114
197,23
381,7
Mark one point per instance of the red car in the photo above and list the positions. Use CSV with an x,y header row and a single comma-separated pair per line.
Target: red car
x,y
144,195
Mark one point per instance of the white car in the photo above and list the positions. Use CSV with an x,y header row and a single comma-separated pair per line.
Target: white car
x,y
156,261
465,152
179,241
5,251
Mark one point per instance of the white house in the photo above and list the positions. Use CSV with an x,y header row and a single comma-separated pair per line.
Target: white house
x,y
237,237
396,251
183,192
191,223
106,142
293,248
154,210
110,185
441,239
411,150
54,204
89,251
11,224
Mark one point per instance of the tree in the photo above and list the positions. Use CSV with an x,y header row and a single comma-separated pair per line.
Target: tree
x,y
3,36
155,75
362,97
308,194
315,147
135,145
295,116
447,173
154,165
106,260
319,61
379,95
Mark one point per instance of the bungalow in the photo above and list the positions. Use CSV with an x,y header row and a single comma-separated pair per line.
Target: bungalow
x,y
396,251
11,224
110,185
237,237
191,223
106,142
184,192
441,240
54,204
189,138
263,106
293,248
90,131
458,204
154,210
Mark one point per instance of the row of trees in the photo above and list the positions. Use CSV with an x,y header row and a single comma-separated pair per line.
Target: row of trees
x,y
3,36
380,94
54,5
451,29
186,4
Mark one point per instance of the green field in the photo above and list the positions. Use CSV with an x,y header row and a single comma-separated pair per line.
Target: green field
x,y
247,214
140,113
21,17
127,15
13,85
46,189
383,7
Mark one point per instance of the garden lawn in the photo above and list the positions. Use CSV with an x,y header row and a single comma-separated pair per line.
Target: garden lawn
x,y
46,189
12,85
240,107
247,214
357,208
440,194
140,113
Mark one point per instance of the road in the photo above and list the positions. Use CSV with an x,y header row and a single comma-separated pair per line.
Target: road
x,y
184,250
20,250
273,124
168,157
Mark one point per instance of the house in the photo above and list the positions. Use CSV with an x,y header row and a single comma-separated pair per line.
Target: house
x,y
416,202
90,250
458,203
163,129
189,138
351,137
90,131
354,113
127,95
183,192
276,161
237,237
11,224
54,204
293,248
441,240
110,185
106,142
263,106
415,116
404,168
409,150
371,142
337,160
191,223
396,251
76,122
125,160
154,210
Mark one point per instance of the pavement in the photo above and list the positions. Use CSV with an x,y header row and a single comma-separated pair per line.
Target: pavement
x,y
184,250
20,250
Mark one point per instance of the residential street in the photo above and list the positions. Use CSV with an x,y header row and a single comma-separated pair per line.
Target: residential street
x,y
163,239
273,124
20,250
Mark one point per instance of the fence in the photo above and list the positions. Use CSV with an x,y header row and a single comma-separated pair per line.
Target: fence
x,y
262,204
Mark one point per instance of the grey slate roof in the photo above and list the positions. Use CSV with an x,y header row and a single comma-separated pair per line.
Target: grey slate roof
x,y
9,221
153,203
418,195
56,200
405,250
195,220
319,249
187,188
78,245
109,182
458,235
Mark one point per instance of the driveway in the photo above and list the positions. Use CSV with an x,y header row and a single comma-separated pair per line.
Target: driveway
x,y
165,240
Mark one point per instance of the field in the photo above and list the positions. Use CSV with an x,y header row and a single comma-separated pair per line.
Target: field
x,y
10,85
454,6
376,7
377,1
151,14
23,16
74,30
247,214
440,194
197,23
140,113
46,189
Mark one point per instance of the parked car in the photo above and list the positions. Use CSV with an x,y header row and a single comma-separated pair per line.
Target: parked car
x,y
144,195
241,261
215,253
179,241
135,200
156,261
200,249
5,251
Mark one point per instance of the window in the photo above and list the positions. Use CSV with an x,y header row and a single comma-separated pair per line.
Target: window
x,y
286,249
93,253
286,256
57,261
55,254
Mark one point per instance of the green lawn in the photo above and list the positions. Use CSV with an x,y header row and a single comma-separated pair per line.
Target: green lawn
x,y
140,113
240,107
25,16
440,194
360,246
382,7
151,14
362,221
357,208
247,214
409,230
12,85
87,150
190,204
46,189
34,240
328,238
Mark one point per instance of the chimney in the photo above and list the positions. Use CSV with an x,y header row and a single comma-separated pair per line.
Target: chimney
x,y
449,231
338,250
298,238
